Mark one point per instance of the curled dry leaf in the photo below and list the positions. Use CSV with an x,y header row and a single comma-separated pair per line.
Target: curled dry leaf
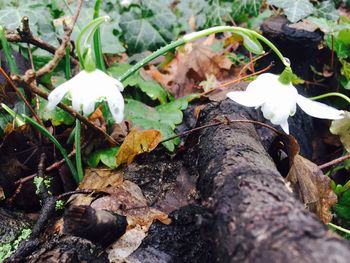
x,y
137,142
307,181
312,187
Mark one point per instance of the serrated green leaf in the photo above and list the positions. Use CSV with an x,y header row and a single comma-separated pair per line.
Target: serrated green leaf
x,y
141,33
105,156
163,118
294,10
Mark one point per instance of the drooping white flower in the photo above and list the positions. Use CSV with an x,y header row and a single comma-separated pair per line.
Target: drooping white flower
x,y
87,88
278,101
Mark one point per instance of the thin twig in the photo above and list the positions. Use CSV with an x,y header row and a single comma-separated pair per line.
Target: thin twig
x,y
334,162
19,94
236,80
59,53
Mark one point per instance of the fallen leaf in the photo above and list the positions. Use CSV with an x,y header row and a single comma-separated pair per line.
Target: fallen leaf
x,y
190,66
307,181
137,142
312,187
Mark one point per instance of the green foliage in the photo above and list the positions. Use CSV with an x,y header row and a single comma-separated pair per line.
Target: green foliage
x,y
163,117
342,208
149,87
105,156
6,250
337,38
294,10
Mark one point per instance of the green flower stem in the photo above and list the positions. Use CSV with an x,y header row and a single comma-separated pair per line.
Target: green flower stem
x,y
8,52
78,150
196,35
89,30
68,70
331,94
339,228
97,40
46,133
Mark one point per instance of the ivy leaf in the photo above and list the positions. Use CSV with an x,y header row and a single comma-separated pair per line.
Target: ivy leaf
x,y
327,10
148,26
163,118
105,156
294,10
11,17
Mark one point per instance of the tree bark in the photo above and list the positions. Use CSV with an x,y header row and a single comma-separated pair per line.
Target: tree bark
x,y
256,217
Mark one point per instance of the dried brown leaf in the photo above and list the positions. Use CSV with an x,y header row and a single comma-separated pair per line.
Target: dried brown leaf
x,y
137,142
312,187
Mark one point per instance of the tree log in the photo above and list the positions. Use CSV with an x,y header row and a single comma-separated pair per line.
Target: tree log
x,y
256,217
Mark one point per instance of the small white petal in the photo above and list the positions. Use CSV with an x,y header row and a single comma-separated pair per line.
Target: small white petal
x,y
116,106
318,109
57,95
285,126
249,99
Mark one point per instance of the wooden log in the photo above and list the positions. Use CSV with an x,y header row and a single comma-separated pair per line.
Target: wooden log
x,y
256,217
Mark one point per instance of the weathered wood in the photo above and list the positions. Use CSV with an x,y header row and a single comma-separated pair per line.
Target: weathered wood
x,y
257,219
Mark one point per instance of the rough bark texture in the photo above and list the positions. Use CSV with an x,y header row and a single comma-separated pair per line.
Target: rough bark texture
x,y
257,219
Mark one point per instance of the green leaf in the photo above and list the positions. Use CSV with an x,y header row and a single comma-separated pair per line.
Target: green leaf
x,y
326,9
342,49
163,118
150,87
148,26
294,10
251,43
57,115
105,156
342,208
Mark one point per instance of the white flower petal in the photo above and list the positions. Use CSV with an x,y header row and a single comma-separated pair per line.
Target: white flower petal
x,y
116,106
318,109
285,126
108,79
249,99
57,95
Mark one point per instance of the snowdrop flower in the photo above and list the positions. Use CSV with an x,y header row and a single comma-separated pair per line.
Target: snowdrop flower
x,y
87,88
278,101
